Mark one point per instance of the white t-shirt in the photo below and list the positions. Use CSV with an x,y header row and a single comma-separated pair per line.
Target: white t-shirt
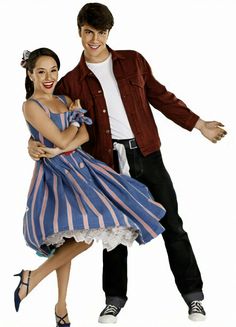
x,y
120,127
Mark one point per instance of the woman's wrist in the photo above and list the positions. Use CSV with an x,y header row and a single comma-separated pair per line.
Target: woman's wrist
x,y
75,123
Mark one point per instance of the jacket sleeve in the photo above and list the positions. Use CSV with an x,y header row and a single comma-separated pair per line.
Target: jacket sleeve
x,y
166,102
61,88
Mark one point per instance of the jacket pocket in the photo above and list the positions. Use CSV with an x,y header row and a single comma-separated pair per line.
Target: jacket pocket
x,y
137,81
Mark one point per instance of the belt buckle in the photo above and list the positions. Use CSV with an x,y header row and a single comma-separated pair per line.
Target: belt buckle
x,y
130,144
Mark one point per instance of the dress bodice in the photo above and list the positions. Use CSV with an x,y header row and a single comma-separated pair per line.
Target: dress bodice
x,y
60,119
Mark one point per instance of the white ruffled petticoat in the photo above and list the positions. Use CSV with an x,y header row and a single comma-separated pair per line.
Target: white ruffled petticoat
x,y
110,237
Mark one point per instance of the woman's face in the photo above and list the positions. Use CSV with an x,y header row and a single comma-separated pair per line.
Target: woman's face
x,y
44,75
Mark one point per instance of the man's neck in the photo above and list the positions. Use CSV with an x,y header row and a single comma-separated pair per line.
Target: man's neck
x,y
97,59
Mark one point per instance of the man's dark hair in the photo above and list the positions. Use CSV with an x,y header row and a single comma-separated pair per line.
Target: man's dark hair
x,y
96,15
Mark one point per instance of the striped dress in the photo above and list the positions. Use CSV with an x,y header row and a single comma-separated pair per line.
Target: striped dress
x,y
75,195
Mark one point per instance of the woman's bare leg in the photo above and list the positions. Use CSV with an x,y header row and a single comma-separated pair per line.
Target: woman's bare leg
x,y
63,274
62,256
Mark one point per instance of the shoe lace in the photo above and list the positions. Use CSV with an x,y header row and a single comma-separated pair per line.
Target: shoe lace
x,y
111,309
196,306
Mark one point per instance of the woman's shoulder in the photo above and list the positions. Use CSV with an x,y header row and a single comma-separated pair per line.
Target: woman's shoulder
x,y
28,104
32,105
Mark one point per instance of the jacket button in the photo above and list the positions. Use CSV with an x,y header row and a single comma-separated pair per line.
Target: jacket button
x,y
99,91
107,131
104,110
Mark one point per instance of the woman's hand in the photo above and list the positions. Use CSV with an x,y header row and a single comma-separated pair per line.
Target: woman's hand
x,y
50,152
75,105
37,150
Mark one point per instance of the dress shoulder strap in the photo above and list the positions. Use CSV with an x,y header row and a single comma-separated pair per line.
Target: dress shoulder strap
x,y
41,105
62,98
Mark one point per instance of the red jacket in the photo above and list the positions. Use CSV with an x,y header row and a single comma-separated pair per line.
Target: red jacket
x,y
138,89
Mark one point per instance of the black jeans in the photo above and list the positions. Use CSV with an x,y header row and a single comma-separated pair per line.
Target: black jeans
x,y
151,171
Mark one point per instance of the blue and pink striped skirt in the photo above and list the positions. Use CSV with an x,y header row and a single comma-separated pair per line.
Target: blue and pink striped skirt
x,y
75,195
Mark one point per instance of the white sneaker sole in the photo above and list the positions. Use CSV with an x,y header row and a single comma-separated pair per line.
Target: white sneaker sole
x,y
197,317
107,319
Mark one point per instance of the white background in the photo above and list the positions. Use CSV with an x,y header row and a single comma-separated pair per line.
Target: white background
x,y
190,46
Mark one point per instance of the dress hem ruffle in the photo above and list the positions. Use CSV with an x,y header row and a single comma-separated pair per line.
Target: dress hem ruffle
x,y
110,237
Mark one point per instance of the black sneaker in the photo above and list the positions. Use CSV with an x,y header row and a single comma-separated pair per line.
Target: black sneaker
x,y
196,311
108,315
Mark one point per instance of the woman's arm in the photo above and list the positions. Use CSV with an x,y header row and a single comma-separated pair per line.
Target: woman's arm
x,y
81,137
38,118
37,150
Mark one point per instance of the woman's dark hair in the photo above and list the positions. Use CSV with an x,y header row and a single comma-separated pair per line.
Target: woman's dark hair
x,y
30,65
96,15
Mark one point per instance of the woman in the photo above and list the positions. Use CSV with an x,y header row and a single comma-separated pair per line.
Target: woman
x,y
73,198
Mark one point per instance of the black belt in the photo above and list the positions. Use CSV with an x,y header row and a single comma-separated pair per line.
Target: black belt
x,y
129,144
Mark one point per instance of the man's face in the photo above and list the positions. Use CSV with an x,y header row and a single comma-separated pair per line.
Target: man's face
x,y
94,43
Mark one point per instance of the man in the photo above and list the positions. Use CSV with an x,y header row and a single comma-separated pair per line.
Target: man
x,y
117,88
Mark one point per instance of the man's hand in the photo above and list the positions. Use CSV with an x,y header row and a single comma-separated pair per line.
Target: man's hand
x,y
212,130
35,149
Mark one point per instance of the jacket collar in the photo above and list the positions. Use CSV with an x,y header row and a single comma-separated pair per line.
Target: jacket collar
x,y
84,71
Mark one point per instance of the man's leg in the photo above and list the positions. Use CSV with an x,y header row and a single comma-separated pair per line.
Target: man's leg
x,y
115,275
114,282
114,279
150,170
